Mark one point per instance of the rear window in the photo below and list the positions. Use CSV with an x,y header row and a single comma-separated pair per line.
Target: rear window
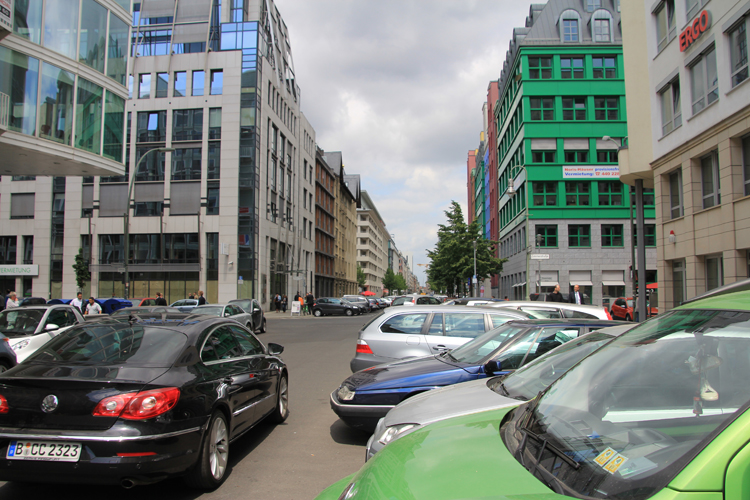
x,y
120,344
578,314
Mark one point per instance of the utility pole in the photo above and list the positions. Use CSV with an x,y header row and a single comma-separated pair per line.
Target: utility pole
x,y
475,269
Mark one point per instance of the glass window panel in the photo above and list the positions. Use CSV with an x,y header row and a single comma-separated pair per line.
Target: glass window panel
x,y
114,114
186,164
88,116
93,34
198,82
144,86
162,84
180,84
152,167
712,77
738,44
217,81
125,4
214,123
212,195
61,26
187,125
152,126
27,17
117,52
697,82
56,109
746,163
19,79
214,160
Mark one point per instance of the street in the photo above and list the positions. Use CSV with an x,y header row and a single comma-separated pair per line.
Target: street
x,y
293,461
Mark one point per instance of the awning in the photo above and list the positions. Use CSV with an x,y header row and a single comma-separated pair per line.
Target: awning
x,y
549,283
581,283
613,283
652,286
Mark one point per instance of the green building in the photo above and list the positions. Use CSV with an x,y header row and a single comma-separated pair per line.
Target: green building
x,y
561,118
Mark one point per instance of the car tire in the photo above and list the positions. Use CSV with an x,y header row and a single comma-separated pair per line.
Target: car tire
x,y
317,313
349,312
627,317
263,326
4,366
281,412
249,326
211,470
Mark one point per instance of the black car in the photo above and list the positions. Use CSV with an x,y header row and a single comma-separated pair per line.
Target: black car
x,y
252,306
7,354
138,399
330,305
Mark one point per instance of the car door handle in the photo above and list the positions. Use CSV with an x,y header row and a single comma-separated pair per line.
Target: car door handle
x,y
441,347
228,380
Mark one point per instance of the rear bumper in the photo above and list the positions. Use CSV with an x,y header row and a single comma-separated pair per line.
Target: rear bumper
x,y
362,361
363,417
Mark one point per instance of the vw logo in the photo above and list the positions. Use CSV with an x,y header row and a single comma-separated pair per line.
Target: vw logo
x,y
49,403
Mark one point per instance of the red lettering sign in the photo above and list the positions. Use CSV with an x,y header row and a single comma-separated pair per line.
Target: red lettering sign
x,y
693,31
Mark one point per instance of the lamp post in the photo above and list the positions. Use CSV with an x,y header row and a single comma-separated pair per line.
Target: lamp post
x,y
126,215
475,280
511,192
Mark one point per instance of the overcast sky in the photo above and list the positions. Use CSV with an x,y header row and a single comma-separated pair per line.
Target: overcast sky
x,y
398,86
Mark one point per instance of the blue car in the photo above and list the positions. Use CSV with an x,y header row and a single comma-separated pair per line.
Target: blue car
x,y
367,395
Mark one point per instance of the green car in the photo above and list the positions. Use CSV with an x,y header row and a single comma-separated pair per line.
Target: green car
x,y
659,413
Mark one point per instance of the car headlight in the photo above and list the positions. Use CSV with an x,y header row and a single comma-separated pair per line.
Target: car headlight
x,y
345,394
20,345
394,432
349,492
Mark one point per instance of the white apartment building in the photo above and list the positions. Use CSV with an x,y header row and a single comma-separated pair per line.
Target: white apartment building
x,y
372,244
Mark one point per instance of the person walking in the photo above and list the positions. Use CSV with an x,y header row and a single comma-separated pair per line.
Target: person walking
x,y
576,296
309,300
201,299
555,296
284,301
78,302
93,307
160,300
11,301
302,308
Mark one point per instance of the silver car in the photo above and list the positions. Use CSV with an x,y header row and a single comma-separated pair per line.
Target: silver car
x,y
230,311
401,332
30,327
553,310
486,394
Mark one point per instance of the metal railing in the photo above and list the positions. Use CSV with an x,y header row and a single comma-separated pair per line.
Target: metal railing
x,y
4,111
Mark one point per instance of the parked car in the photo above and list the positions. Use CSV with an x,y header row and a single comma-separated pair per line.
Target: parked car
x,y
366,396
374,303
553,309
7,354
30,327
360,301
145,310
135,403
253,307
146,301
325,306
660,412
399,332
622,308
230,311
411,300
185,305
32,301
486,394
471,301
360,306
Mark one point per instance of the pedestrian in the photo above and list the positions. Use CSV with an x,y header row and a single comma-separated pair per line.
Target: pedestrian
x,y
302,308
296,296
78,302
93,307
201,299
191,295
576,297
11,301
160,300
309,299
506,297
555,296
284,301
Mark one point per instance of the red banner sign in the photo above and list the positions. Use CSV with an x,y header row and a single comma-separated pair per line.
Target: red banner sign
x,y
693,32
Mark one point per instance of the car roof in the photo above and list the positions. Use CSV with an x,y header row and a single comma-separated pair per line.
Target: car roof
x,y
569,322
738,286
730,301
212,305
515,303
188,323
439,308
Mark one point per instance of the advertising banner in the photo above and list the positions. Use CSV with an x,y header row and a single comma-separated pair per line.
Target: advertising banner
x,y
591,172
24,270
6,9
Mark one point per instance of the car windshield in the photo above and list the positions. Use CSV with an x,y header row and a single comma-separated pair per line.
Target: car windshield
x,y
623,422
245,304
16,322
113,344
209,310
476,350
526,382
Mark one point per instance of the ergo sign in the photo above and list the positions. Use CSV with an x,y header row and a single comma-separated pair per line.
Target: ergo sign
x,y
695,30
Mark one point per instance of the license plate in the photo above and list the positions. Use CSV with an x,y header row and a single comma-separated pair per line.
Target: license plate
x,y
44,451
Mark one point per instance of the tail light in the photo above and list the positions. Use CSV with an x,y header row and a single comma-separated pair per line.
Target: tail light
x,y
363,348
138,405
4,408
609,316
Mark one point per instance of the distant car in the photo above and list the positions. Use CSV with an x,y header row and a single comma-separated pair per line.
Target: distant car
x,y
360,301
622,308
553,309
470,301
28,328
148,301
185,305
7,354
374,303
145,310
362,307
325,306
253,307
231,311
418,300
32,301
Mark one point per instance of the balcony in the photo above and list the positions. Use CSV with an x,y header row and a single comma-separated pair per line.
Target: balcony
x,y
4,112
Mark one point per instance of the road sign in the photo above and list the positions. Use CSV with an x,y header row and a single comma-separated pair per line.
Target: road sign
x,y
539,256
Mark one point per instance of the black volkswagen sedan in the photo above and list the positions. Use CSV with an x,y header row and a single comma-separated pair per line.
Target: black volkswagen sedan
x,y
139,399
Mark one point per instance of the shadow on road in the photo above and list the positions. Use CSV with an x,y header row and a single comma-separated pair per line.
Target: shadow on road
x,y
343,434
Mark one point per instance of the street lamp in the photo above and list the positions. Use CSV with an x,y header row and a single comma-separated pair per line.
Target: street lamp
x,y
475,281
126,215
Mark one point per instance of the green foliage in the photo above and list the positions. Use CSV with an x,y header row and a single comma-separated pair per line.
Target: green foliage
x,y
389,281
452,259
400,285
361,278
81,268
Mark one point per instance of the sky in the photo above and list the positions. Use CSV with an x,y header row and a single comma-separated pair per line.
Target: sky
x,y
398,86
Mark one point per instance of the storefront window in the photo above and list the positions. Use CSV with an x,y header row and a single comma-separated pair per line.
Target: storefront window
x,y
20,79
56,110
61,26
89,116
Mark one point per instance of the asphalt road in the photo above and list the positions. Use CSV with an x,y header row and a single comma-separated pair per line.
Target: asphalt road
x,y
292,461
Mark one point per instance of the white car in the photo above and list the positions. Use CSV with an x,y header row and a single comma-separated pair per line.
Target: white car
x,y
553,310
30,327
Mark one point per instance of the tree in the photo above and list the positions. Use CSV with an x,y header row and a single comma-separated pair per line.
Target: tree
x,y
389,281
81,268
400,284
452,259
361,278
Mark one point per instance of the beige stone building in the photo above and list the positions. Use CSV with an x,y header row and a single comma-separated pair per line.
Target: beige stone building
x,y
346,203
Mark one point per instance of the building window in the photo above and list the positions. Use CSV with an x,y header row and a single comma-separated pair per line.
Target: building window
x,y
606,108
738,53
610,193
606,156
693,6
746,163
666,30
579,235
592,5
577,194
180,84
144,86
714,272
546,236
602,30
89,116
710,180
8,250
671,107
152,126
217,81
675,194
649,198
212,198
570,30
576,156
650,230
704,81
198,82
542,108
574,108
604,67
571,67
679,289
186,164
187,124
540,68
543,156
162,85
612,235
22,206
544,194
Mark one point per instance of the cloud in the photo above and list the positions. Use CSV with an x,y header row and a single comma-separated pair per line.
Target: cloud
x,y
398,86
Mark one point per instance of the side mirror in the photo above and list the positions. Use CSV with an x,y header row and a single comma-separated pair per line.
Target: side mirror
x,y
226,314
51,327
491,367
275,349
